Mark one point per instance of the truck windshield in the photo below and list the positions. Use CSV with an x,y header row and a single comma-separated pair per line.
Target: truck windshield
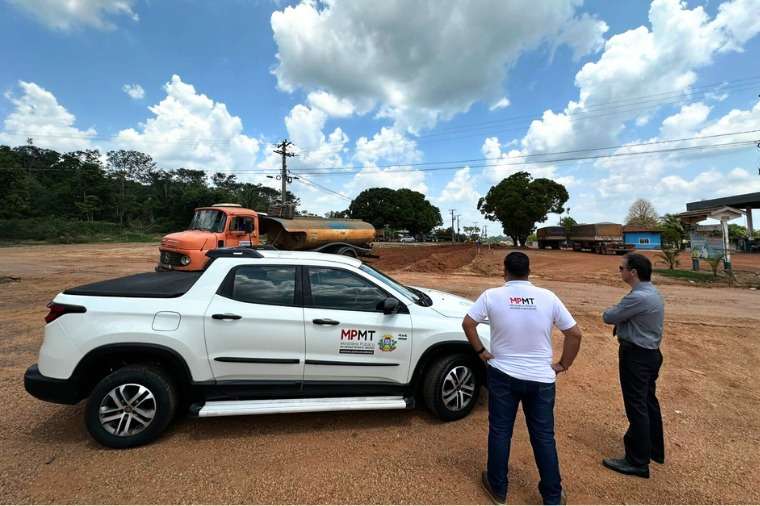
x,y
418,297
208,220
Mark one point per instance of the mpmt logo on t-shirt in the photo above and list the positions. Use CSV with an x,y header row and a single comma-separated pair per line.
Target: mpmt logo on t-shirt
x,y
521,303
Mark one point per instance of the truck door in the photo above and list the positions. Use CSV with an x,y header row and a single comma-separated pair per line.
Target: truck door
x,y
348,338
254,327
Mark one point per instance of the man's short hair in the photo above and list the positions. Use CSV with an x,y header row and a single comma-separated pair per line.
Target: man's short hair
x,y
642,265
517,264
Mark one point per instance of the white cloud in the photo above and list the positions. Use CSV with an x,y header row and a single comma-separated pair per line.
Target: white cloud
x,y
188,129
684,123
378,52
643,62
66,15
332,105
503,163
502,103
461,188
39,116
389,145
135,91
584,35
371,176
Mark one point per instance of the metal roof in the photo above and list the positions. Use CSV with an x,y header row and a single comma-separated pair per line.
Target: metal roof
x,y
745,201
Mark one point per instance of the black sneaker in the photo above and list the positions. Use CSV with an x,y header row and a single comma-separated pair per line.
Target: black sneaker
x,y
622,466
496,499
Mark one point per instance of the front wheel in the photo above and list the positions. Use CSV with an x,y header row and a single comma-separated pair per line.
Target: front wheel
x,y
130,407
452,387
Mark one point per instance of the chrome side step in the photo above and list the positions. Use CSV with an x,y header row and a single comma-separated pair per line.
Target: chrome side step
x,y
271,406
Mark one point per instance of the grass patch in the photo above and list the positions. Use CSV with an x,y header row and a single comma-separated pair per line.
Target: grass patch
x,y
697,276
64,231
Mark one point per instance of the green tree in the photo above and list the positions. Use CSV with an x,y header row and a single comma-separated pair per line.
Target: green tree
x,y
669,257
567,223
519,202
736,232
399,209
673,231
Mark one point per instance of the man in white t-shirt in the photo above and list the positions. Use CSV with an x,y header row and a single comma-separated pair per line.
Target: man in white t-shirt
x,y
520,369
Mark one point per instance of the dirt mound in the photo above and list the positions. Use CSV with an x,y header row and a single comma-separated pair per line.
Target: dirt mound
x,y
433,259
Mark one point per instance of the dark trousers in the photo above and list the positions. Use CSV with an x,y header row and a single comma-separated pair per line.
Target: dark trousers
x,y
639,368
504,395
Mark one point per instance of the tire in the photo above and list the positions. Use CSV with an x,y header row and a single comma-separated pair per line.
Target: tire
x,y
349,252
437,378
145,420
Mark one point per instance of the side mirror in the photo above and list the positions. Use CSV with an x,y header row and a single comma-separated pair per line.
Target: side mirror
x,y
248,227
391,306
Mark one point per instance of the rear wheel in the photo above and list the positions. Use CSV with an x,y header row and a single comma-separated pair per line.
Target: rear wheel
x,y
349,252
452,387
130,407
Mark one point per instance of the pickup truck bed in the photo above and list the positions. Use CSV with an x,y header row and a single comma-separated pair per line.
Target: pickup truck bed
x,y
157,285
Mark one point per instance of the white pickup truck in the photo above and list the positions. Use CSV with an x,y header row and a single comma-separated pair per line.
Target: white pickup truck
x,y
256,332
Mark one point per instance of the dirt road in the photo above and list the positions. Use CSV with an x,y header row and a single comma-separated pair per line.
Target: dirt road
x,y
708,390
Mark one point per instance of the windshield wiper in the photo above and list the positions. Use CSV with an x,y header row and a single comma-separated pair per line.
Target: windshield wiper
x,y
424,299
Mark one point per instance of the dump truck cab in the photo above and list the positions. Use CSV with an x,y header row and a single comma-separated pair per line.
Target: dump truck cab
x,y
217,226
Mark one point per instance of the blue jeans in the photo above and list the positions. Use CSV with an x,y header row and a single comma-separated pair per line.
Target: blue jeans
x,y
504,395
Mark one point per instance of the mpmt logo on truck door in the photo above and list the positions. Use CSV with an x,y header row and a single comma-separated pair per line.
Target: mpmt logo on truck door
x,y
357,342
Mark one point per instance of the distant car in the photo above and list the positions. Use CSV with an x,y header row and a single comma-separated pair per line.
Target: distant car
x,y
407,239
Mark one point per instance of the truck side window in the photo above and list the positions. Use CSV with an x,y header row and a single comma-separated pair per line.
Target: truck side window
x,y
339,289
265,284
239,224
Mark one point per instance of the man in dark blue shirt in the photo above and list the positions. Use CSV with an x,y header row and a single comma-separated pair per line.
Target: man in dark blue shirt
x,y
638,320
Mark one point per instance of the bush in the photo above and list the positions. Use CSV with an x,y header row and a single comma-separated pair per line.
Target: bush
x,y
59,230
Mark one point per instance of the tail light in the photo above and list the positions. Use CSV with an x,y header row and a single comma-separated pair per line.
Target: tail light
x,y
57,310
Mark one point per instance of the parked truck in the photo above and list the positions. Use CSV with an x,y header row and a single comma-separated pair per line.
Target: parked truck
x,y
231,225
604,238
551,237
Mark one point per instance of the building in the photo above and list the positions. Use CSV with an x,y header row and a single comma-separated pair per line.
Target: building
x,y
642,237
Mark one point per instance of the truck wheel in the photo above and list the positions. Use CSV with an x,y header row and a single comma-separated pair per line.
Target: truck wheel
x,y
349,252
130,407
451,387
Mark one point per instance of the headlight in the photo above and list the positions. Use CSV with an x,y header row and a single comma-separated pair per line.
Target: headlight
x,y
184,260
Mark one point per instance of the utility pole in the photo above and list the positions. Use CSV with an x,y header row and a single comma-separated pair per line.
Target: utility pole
x,y
453,237
283,150
458,216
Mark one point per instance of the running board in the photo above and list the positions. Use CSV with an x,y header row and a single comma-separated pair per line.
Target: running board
x,y
272,406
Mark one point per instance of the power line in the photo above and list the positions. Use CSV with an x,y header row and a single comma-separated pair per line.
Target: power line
x,y
660,98
498,161
325,188
582,150
746,82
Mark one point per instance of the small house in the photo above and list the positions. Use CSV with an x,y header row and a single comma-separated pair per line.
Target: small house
x,y
642,237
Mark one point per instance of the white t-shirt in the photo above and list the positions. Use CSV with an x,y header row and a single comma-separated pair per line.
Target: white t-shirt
x,y
521,317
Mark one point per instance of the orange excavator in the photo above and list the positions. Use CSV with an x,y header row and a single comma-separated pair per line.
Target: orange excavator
x,y
231,225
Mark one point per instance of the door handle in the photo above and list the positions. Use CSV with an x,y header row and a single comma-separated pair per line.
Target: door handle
x,y
226,316
324,321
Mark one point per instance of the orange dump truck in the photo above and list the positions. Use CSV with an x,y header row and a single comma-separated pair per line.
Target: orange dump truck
x,y
230,225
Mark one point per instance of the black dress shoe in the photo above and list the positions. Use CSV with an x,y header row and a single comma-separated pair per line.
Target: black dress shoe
x,y
624,467
496,499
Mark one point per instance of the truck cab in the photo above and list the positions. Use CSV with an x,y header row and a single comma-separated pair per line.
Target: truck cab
x,y
217,226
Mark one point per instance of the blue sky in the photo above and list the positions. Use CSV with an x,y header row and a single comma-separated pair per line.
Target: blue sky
x,y
374,94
